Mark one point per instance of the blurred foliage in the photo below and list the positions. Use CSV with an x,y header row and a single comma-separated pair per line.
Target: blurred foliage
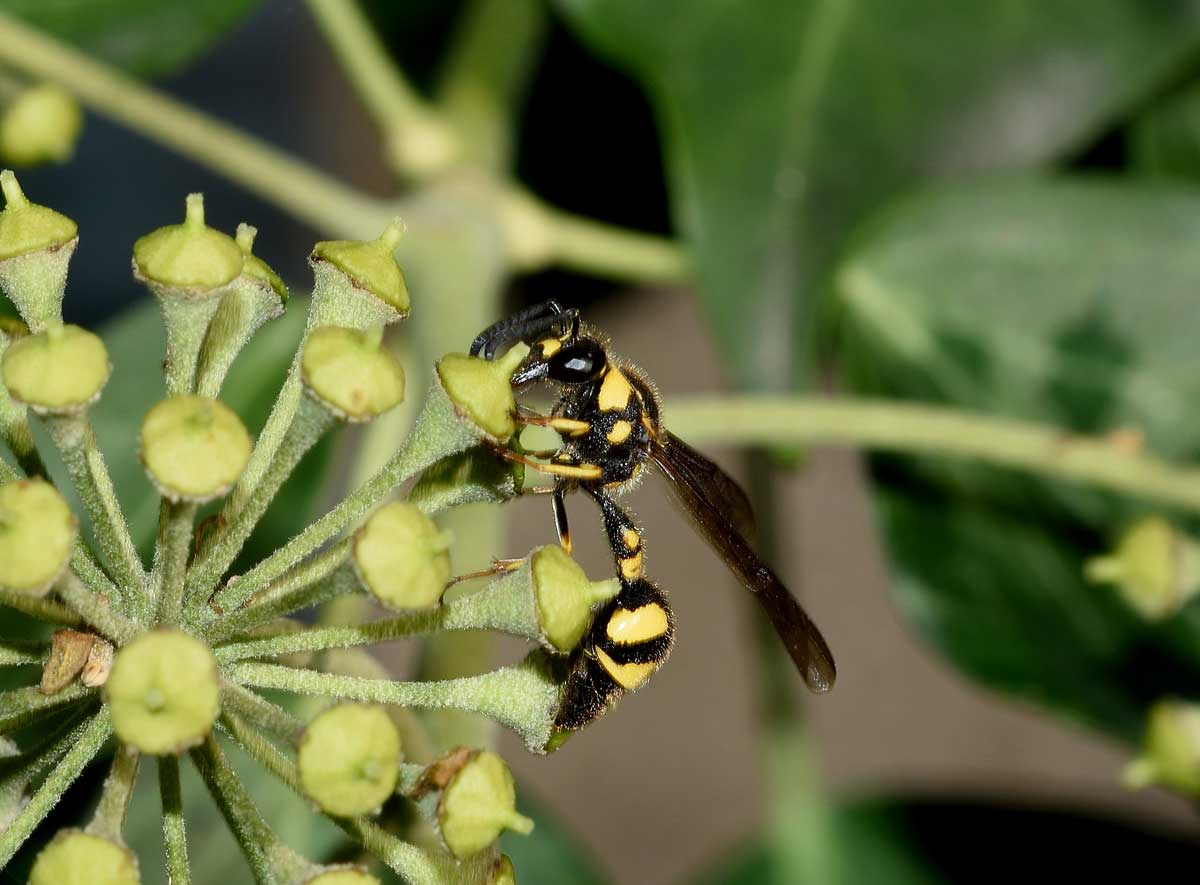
x,y
785,121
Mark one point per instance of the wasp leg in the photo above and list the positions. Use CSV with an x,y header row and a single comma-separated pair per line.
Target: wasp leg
x,y
560,519
569,426
623,536
497,567
567,471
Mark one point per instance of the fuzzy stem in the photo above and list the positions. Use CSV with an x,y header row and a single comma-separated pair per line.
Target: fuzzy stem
x,y
95,611
84,564
22,706
49,746
14,652
174,829
108,820
493,53
917,429
412,863
73,436
186,321
236,699
416,142
52,789
318,580
270,860
311,422
520,698
43,609
174,540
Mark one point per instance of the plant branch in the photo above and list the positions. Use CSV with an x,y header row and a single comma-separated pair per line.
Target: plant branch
x,y
241,701
38,607
908,428
22,651
22,706
109,818
174,541
52,789
95,611
174,829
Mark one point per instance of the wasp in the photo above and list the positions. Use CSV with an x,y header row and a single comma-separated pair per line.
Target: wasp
x,y
608,416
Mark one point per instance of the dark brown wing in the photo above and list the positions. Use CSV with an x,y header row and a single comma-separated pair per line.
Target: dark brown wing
x,y
724,492
699,499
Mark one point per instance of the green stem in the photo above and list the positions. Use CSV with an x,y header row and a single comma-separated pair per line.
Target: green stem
x,y
241,701
22,651
522,698
108,820
416,141
286,182
916,429
43,609
270,860
73,436
174,541
52,789
493,54
95,611
174,829
23,706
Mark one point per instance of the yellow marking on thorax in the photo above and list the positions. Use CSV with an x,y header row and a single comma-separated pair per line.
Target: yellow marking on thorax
x,y
615,391
637,625
550,346
631,539
629,676
631,567
620,432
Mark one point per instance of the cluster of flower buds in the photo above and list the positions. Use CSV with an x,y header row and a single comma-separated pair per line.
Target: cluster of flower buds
x,y
170,655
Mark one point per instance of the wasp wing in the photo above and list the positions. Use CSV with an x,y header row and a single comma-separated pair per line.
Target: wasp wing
x,y
699,496
724,492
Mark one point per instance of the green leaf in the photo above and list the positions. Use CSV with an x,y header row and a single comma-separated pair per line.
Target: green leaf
x,y
1165,141
149,37
1067,301
136,343
1004,599
784,120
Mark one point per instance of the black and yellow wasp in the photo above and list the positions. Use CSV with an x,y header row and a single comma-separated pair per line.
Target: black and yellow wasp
x,y
607,415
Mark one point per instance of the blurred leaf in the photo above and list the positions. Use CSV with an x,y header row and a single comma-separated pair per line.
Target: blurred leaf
x,y
1165,141
136,344
1069,301
1005,601
785,120
549,855
147,37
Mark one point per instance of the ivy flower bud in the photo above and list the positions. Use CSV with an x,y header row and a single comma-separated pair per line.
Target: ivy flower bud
x,y
58,371
74,857
1156,568
369,265
189,257
254,267
348,875
37,533
481,391
162,692
349,759
1172,754
40,126
36,245
564,596
402,557
351,373
194,448
479,802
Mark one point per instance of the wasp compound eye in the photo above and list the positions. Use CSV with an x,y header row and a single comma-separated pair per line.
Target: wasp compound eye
x,y
579,362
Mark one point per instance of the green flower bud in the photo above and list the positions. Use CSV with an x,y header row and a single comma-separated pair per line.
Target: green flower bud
x,y
191,257
69,650
348,875
349,759
1156,568
26,227
74,857
481,390
351,373
37,534
254,267
370,265
401,557
36,245
1172,754
565,597
58,371
504,873
40,126
478,803
163,693
194,448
